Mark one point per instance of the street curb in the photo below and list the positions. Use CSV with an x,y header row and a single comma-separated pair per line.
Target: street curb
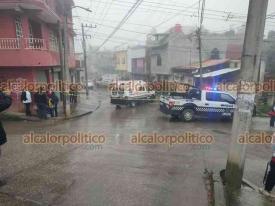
x,y
84,114
219,194
218,191
78,116
23,118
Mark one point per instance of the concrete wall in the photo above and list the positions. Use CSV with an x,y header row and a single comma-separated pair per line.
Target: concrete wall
x,y
29,57
121,61
135,53
178,49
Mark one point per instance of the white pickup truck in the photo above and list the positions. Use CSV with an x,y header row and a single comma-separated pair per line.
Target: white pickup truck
x,y
197,103
130,93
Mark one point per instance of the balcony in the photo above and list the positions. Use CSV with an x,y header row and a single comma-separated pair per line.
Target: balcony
x,y
23,43
27,52
30,52
35,7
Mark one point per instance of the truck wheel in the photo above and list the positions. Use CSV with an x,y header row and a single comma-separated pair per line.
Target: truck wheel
x,y
188,115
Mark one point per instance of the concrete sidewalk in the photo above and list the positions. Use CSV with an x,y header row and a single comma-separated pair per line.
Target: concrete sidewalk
x,y
261,124
256,160
246,196
82,108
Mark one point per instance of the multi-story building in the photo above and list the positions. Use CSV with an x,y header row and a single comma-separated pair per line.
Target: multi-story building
x,y
121,63
178,48
136,62
78,75
29,40
168,50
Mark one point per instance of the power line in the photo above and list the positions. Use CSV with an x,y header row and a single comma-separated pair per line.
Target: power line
x,y
166,10
107,11
227,14
179,13
173,6
125,18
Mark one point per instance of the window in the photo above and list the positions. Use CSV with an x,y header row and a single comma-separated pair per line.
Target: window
x,y
18,27
219,97
159,60
53,41
227,98
214,97
194,94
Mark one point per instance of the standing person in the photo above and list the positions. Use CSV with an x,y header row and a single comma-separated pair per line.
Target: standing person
x,y
55,103
269,179
42,103
71,93
5,103
272,116
26,100
50,102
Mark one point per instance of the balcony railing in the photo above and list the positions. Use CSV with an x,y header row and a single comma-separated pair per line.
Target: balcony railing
x,y
22,43
33,43
9,43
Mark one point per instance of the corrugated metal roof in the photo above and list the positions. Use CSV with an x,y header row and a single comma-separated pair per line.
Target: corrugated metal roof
x,y
218,72
205,64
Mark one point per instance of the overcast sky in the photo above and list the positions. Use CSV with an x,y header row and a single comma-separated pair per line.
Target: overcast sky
x,y
220,15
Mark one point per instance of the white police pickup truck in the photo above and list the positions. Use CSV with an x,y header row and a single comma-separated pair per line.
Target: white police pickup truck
x,y
197,103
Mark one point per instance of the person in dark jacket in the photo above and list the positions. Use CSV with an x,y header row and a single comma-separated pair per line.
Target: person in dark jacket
x,y
41,101
5,103
272,116
55,103
269,179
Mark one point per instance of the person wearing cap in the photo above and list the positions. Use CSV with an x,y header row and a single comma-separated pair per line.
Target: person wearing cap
x,y
269,180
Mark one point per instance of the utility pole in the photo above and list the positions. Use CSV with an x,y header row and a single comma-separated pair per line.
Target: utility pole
x,y
85,56
63,49
200,43
148,63
245,97
200,58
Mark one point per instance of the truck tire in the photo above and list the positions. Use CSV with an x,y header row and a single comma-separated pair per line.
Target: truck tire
x,y
188,115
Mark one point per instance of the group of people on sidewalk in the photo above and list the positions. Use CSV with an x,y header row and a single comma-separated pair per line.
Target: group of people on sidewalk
x,y
46,102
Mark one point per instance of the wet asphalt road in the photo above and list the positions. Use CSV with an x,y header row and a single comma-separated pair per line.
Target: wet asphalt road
x,y
119,173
